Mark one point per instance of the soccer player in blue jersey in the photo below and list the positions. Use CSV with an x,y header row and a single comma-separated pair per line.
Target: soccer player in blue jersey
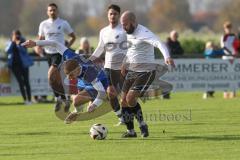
x,y
92,81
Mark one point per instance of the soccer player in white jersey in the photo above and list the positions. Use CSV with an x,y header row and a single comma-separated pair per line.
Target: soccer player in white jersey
x,y
140,71
112,41
54,28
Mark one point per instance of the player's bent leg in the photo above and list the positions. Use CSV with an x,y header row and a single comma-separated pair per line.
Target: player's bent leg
x,y
81,98
123,100
112,95
131,99
55,81
78,100
128,118
111,91
113,99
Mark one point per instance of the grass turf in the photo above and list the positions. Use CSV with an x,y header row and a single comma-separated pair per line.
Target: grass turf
x,y
185,128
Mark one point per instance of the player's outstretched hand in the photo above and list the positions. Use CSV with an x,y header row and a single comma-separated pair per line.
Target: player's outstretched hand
x,y
29,44
91,107
169,61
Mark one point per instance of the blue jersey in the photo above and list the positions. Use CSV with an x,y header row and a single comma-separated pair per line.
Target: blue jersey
x,y
90,72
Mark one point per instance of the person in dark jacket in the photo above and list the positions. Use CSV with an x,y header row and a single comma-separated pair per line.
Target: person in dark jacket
x,y
19,62
174,45
175,49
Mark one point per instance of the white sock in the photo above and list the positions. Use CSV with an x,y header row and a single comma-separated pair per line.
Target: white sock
x,y
142,123
118,113
131,131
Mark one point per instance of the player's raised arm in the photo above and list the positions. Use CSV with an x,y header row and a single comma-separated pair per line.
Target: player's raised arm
x,y
156,42
60,47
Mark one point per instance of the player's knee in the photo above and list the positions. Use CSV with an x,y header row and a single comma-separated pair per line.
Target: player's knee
x,y
78,100
75,101
131,100
123,103
111,92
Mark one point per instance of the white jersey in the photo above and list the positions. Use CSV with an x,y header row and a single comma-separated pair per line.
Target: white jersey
x,y
113,42
227,41
140,53
54,30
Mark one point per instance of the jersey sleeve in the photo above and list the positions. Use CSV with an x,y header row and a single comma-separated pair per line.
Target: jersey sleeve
x,y
101,92
100,48
40,30
156,42
67,28
59,47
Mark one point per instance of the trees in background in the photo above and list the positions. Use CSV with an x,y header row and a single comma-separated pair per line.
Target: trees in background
x,y
231,13
165,15
87,17
9,15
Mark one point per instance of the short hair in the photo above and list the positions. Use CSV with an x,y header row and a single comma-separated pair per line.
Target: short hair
x,y
114,7
17,32
53,5
209,45
227,24
70,66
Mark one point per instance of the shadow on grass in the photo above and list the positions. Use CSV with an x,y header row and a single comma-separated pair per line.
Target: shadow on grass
x,y
44,133
22,104
164,138
11,104
32,154
209,138
27,134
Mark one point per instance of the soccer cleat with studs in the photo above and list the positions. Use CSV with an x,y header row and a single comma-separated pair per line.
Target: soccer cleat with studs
x,y
129,134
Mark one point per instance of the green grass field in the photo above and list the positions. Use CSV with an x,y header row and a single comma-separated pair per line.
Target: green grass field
x,y
200,129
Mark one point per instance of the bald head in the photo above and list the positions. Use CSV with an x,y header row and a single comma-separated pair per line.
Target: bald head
x,y
128,15
128,20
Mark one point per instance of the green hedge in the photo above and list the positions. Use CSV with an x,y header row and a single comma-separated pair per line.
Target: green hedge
x,y
193,46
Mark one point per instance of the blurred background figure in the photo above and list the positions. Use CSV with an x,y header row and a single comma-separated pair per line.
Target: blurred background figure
x,y
84,48
175,50
211,51
227,43
19,62
174,45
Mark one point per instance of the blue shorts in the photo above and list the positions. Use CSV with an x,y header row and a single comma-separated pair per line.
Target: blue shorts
x,y
82,85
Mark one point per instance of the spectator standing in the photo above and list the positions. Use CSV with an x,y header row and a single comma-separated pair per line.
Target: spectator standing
x,y
227,44
175,50
19,62
174,45
84,48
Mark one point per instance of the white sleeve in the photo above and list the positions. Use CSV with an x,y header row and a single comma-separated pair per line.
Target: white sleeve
x,y
59,47
222,42
101,93
100,48
67,28
40,30
156,42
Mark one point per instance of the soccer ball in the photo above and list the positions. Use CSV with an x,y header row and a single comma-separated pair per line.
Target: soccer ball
x,y
98,131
